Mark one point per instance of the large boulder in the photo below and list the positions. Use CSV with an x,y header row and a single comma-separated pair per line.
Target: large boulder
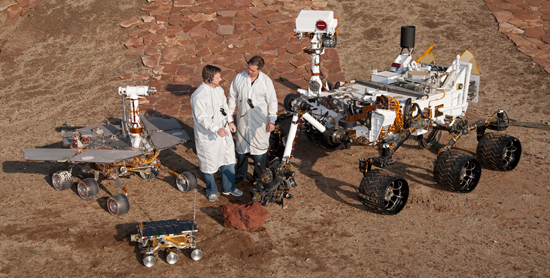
x,y
249,217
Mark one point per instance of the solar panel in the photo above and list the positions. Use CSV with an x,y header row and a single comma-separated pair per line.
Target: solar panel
x,y
167,227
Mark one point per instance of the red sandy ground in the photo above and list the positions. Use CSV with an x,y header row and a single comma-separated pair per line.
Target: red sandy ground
x,y
60,65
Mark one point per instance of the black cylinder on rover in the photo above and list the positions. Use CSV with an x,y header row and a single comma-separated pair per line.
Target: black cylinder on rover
x,y
407,36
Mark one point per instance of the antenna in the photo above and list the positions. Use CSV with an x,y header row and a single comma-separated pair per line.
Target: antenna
x,y
124,120
194,203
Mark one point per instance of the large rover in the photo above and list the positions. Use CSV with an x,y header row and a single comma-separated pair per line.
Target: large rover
x,y
417,99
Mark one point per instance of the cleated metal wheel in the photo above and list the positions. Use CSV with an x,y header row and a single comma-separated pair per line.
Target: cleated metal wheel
x,y
383,192
149,175
87,188
186,182
431,139
456,171
498,151
62,180
118,205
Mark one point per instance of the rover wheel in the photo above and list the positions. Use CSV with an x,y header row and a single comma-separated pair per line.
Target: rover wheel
x,y
277,141
430,139
318,138
196,254
62,180
149,260
287,102
186,182
499,151
382,192
118,205
456,171
171,257
149,175
87,188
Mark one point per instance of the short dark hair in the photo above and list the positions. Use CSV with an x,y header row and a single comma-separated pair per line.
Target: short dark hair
x,y
256,61
209,71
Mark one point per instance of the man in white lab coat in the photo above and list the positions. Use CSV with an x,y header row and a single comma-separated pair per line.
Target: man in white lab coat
x,y
212,124
253,93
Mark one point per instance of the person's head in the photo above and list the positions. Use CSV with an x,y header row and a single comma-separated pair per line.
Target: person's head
x,y
255,65
211,75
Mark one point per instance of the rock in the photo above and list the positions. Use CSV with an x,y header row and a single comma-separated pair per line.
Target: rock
x,y
226,29
294,48
276,18
4,6
183,3
129,22
23,3
242,2
148,18
150,8
150,61
320,4
134,51
228,13
197,32
13,11
249,217
506,27
142,77
172,53
125,76
503,16
534,32
34,4
132,42
202,17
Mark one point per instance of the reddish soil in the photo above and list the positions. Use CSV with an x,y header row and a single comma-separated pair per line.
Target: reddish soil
x,y
60,65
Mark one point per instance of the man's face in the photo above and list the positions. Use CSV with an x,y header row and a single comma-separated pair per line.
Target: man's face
x,y
217,78
252,71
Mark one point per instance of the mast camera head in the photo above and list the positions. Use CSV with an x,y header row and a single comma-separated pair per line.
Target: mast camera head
x,y
317,22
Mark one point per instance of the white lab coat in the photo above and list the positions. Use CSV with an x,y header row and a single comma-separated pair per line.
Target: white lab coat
x,y
213,150
252,134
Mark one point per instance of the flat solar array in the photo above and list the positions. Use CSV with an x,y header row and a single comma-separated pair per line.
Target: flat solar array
x,y
158,123
105,156
166,133
59,155
111,146
167,227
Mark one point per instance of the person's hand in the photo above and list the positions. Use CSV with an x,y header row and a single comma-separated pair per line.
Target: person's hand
x,y
270,127
232,127
222,132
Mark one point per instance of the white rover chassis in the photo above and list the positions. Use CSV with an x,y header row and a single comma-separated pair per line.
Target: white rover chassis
x,y
416,98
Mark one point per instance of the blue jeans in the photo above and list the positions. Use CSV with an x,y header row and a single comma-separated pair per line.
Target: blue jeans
x,y
228,180
242,166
